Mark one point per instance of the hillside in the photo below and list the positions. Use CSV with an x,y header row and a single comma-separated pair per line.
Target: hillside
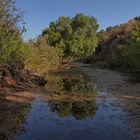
x,y
119,48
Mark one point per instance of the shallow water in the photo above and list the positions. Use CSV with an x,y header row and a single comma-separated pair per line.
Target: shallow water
x,y
43,123
82,113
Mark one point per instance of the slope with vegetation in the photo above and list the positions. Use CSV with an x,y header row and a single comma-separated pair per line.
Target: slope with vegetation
x,y
119,48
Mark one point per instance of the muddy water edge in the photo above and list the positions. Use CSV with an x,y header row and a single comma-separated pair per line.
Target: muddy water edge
x,y
77,103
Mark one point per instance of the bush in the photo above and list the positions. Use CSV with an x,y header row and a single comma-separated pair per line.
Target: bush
x,y
42,57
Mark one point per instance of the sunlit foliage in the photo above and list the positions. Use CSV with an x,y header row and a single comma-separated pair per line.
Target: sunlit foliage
x,y
73,36
12,49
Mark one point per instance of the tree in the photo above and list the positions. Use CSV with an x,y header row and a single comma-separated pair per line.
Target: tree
x,y
74,36
12,49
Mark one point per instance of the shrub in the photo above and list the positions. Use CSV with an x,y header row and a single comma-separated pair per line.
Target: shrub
x,y
42,57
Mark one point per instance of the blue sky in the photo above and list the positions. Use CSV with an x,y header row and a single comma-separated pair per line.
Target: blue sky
x,y
38,13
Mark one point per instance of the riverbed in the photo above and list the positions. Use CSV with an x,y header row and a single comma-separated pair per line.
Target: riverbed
x,y
78,103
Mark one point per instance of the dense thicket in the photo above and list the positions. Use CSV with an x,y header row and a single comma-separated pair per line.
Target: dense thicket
x,y
119,48
42,57
35,56
73,36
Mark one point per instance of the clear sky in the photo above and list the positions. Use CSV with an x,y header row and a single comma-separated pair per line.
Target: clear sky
x,y
38,13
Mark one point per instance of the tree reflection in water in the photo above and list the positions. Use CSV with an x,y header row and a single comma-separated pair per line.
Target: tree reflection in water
x,y
74,86
12,117
81,98
80,110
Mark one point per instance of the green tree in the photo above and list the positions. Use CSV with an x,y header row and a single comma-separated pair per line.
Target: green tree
x,y
73,36
12,48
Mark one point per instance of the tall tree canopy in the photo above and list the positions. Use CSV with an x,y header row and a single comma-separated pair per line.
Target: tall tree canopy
x,y
73,36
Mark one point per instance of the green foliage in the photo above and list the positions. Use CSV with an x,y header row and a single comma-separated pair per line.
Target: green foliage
x,y
12,48
73,36
119,48
128,59
42,57
36,56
